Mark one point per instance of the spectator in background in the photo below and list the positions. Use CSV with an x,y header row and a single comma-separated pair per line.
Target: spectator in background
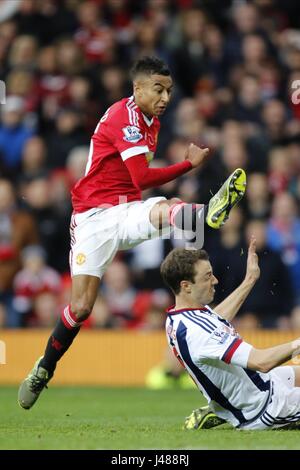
x,y
52,85
272,298
17,230
159,301
148,40
254,54
68,133
280,170
188,189
188,57
46,20
209,105
272,132
234,155
295,187
33,158
70,58
29,20
46,310
60,186
13,134
113,85
283,235
120,16
257,197
36,285
23,53
226,253
215,59
80,97
293,149
121,297
53,231
22,83
245,20
188,123
95,37
76,163
8,8
159,12
247,107
274,120
145,260
270,79
7,33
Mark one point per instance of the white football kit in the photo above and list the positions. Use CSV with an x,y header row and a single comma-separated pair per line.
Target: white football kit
x,y
216,357
97,234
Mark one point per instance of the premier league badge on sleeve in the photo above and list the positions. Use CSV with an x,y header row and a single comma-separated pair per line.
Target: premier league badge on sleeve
x,y
221,334
132,134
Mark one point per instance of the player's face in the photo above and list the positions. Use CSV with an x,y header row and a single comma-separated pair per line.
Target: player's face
x,y
152,93
203,290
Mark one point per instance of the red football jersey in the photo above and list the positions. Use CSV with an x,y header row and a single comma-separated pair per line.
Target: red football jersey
x,y
123,132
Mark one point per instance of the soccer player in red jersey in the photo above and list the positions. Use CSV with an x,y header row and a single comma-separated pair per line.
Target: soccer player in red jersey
x,y
109,214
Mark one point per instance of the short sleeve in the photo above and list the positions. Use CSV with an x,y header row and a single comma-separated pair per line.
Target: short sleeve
x,y
126,134
222,344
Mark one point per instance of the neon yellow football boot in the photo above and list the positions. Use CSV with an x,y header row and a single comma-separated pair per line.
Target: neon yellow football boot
x,y
230,193
202,418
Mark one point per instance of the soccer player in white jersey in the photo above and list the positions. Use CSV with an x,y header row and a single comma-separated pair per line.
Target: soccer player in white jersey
x,y
109,214
243,385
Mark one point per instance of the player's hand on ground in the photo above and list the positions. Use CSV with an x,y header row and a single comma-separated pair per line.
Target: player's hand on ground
x,y
253,270
196,155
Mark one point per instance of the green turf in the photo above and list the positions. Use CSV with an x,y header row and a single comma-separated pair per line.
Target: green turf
x,y
99,418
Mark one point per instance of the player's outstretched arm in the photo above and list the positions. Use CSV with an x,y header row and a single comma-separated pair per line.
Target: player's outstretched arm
x,y
231,305
144,177
264,360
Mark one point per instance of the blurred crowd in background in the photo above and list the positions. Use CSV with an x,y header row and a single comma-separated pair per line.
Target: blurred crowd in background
x,y
235,65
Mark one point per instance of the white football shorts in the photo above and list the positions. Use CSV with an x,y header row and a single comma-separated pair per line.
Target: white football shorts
x,y
284,404
97,234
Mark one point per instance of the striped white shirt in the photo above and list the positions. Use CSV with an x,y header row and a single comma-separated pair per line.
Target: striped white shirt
x,y
216,358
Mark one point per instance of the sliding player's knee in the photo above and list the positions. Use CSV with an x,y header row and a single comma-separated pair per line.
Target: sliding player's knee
x,y
82,309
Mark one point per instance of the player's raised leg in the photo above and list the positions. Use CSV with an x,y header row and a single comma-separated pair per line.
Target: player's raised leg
x,y
185,216
230,193
84,293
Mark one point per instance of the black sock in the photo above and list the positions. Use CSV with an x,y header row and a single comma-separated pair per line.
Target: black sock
x,y
58,343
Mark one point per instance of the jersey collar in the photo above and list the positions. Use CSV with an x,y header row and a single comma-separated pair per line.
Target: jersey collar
x,y
172,311
148,121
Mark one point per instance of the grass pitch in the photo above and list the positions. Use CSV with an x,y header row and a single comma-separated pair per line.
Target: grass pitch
x,y
102,418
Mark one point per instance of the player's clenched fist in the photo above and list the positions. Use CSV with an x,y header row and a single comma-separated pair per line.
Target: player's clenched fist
x,y
196,155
